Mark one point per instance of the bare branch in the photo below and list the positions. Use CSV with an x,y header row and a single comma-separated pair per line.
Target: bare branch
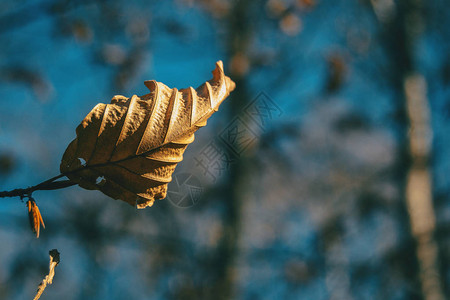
x,y
49,184
54,261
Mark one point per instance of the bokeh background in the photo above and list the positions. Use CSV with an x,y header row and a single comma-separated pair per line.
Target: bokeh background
x,y
325,175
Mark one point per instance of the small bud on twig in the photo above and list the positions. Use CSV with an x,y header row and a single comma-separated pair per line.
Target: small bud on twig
x,y
34,217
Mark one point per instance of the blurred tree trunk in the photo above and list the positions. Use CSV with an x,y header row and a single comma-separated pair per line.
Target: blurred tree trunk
x,y
403,25
235,189
418,187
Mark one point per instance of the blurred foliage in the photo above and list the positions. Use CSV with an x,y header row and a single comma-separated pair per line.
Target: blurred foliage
x,y
314,209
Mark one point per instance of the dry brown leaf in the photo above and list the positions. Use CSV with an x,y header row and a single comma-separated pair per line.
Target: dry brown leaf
x,y
129,149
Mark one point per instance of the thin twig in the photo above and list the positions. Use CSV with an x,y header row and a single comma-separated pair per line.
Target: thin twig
x,y
54,261
46,185
52,184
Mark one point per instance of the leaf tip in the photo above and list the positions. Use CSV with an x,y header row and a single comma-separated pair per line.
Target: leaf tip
x,y
151,84
219,75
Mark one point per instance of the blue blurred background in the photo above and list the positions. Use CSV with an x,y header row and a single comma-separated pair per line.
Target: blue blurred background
x,y
336,187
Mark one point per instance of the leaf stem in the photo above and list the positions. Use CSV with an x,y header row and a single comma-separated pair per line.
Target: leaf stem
x,y
49,184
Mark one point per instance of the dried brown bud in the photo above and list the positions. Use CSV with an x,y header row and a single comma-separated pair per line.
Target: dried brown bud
x,y
34,217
